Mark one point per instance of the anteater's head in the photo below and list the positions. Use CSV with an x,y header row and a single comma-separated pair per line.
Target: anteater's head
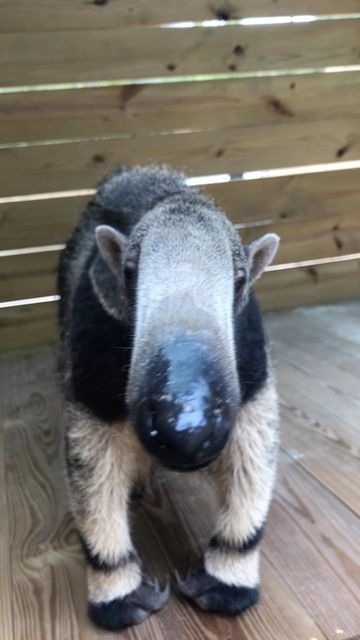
x,y
185,276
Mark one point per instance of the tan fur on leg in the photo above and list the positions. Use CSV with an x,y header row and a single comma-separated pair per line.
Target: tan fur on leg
x,y
245,474
233,569
104,462
104,587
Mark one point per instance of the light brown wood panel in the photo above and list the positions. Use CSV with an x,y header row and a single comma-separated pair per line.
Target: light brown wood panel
x,y
59,15
321,237
275,200
275,290
6,617
29,275
38,223
67,166
305,520
330,410
315,328
33,274
309,285
71,56
22,328
309,563
328,462
181,106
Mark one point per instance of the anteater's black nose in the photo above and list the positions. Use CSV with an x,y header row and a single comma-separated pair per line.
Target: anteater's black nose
x,y
184,411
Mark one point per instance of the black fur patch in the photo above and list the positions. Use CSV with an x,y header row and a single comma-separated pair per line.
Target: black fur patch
x,y
210,594
217,542
132,609
98,564
228,600
250,345
115,615
101,351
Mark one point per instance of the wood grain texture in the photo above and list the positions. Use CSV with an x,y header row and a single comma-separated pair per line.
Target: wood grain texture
x,y
57,167
309,285
137,109
6,583
29,275
310,554
324,440
71,56
314,526
29,325
34,274
303,197
25,15
22,328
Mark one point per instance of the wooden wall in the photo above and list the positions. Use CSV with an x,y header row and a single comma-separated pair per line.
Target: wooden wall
x,y
86,86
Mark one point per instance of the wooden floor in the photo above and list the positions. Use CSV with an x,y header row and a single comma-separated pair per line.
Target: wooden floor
x,y
311,550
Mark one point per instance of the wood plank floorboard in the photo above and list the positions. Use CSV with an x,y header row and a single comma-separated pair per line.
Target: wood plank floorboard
x,y
311,550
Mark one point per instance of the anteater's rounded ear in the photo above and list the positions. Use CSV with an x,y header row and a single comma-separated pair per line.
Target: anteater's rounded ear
x,y
261,252
111,245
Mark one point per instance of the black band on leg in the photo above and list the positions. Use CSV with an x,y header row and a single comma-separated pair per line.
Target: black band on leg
x,y
217,542
98,564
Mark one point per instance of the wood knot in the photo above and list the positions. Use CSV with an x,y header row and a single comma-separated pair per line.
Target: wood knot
x,y
313,274
223,14
239,50
98,158
342,150
279,106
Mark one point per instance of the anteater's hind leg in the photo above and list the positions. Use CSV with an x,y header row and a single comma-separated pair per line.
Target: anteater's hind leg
x,y
104,464
228,579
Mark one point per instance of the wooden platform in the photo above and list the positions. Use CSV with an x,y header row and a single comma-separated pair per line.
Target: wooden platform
x,y
311,555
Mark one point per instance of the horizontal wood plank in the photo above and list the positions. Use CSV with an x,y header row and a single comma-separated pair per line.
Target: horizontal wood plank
x,y
137,109
59,15
27,275
276,290
66,166
71,56
272,201
309,285
27,327
311,239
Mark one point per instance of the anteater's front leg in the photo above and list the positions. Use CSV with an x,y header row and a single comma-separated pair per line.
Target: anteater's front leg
x,y
228,579
104,463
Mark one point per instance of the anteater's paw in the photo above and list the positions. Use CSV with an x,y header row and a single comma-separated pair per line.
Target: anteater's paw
x,y
132,609
210,594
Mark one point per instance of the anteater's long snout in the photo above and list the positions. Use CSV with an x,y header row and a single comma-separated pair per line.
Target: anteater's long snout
x,y
185,407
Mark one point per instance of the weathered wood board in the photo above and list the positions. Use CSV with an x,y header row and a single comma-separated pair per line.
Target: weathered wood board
x,y
33,324
75,165
192,106
271,201
304,240
28,15
85,55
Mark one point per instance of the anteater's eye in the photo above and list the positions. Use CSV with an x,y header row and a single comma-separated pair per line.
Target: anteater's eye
x,y
240,279
130,268
131,261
